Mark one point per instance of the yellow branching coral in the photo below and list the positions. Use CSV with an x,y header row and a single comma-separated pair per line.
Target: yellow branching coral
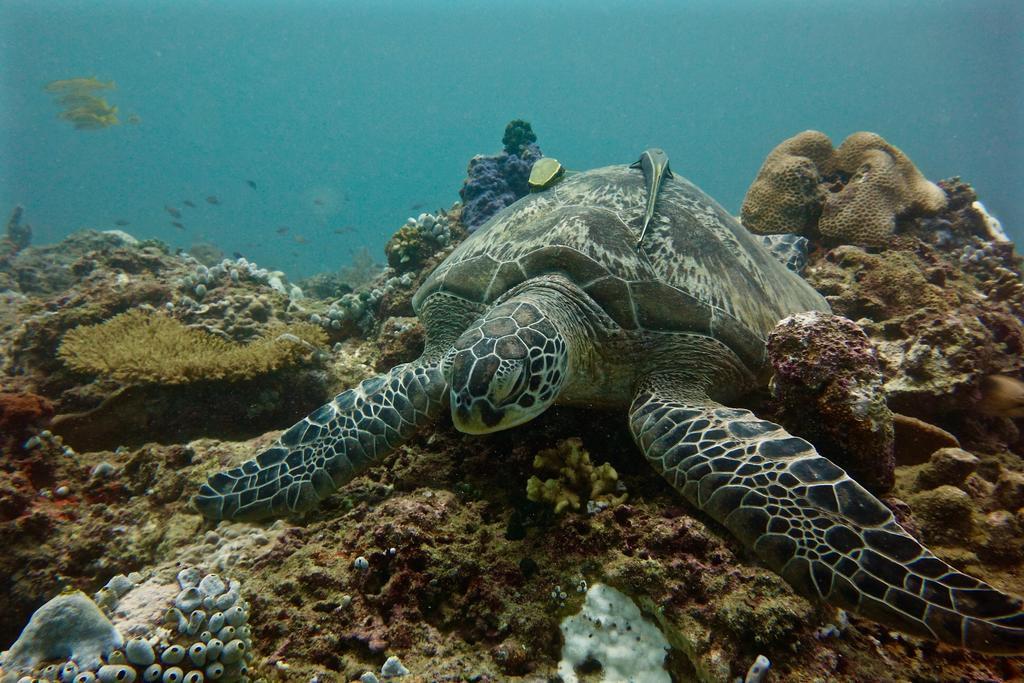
x,y
578,479
141,346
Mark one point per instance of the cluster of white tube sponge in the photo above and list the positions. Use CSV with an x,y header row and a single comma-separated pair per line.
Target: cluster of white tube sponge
x,y
204,637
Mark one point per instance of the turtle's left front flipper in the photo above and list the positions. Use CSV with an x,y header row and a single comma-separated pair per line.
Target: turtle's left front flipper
x,y
820,530
329,446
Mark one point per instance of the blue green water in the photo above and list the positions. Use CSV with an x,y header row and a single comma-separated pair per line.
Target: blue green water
x,y
350,114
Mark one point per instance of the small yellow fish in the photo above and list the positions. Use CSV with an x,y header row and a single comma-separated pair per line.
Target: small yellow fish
x,y
78,85
212,199
299,239
80,100
83,117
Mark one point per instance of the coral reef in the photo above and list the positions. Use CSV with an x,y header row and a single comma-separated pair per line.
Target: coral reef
x,y
611,631
417,240
20,414
518,136
939,317
17,236
92,277
829,388
144,346
460,575
72,636
579,482
853,194
494,182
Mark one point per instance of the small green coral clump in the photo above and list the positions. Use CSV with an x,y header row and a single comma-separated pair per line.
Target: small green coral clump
x,y
142,346
518,134
578,482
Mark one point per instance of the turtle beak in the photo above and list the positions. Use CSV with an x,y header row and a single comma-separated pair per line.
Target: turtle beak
x,y
476,416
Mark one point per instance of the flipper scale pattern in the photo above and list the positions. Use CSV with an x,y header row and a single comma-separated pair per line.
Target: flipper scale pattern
x,y
809,521
328,447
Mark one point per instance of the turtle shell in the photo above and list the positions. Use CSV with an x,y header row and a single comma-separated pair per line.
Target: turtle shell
x,y
698,269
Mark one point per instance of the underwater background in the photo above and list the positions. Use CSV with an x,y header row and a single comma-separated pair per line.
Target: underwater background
x,y
349,117
201,198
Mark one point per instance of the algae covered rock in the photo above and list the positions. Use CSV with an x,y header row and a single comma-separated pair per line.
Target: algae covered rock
x,y
946,514
947,466
829,386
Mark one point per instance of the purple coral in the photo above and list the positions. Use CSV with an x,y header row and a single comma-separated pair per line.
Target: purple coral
x,y
494,182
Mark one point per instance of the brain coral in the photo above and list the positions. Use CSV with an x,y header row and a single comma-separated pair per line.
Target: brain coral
x,y
852,194
786,195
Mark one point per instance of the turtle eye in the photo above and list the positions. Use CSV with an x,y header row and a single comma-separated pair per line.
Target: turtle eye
x,y
509,382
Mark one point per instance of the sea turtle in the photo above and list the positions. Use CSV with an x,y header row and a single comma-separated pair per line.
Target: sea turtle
x,y
551,301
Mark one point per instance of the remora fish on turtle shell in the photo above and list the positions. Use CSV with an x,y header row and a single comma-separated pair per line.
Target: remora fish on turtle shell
x,y
654,164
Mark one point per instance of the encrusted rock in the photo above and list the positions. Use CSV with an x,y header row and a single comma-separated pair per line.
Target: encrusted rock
x,y
1002,537
70,626
829,387
947,466
1009,491
946,514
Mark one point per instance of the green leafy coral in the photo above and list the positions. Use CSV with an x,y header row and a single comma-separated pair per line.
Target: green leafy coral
x,y
578,479
518,134
142,346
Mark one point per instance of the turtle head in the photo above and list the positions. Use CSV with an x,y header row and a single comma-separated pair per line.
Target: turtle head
x,y
506,369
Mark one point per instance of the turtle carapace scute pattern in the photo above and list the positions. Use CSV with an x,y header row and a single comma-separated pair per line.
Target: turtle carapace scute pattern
x,y
555,300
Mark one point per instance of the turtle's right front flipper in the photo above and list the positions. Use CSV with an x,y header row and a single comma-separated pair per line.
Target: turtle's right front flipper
x,y
801,514
328,447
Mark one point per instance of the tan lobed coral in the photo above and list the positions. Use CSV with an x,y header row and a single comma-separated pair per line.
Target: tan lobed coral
x,y
143,346
578,481
786,195
851,195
